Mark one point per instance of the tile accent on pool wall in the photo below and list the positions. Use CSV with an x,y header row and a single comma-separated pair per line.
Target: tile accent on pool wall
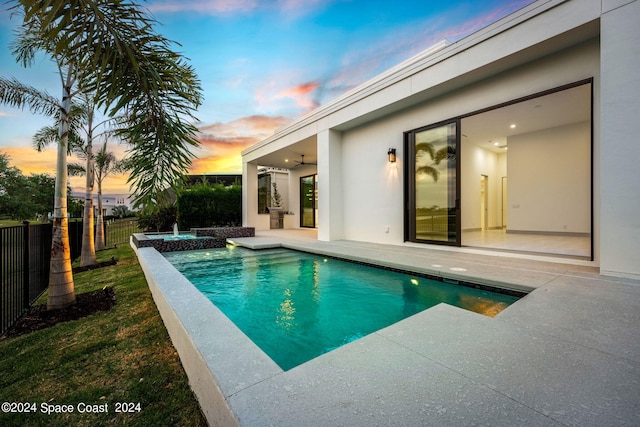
x,y
203,238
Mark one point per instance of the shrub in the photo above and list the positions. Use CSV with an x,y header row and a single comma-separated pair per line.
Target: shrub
x,y
207,206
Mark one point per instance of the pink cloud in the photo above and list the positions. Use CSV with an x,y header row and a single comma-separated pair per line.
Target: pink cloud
x,y
213,7
303,96
255,126
221,143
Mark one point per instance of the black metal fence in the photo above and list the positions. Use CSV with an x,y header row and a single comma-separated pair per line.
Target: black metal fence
x,y
118,231
25,254
25,251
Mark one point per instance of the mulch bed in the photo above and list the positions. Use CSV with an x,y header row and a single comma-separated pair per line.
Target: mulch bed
x,y
38,317
112,261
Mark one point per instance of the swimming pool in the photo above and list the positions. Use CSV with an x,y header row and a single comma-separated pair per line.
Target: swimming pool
x,y
296,306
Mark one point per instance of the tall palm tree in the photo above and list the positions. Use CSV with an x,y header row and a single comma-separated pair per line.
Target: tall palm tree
x,y
81,121
105,164
108,48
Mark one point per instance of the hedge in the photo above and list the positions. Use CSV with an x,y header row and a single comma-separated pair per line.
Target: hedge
x,y
209,206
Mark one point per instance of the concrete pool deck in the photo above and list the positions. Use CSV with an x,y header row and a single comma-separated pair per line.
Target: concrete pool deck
x,y
566,354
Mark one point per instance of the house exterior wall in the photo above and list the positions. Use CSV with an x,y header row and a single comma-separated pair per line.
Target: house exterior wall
x,y
620,108
372,192
548,44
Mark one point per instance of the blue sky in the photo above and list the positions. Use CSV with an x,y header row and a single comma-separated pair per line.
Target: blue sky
x,y
263,63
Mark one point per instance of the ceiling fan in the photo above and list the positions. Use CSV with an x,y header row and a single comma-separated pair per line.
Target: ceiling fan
x,y
302,162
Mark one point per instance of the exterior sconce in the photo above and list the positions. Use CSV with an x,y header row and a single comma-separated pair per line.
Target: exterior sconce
x,y
391,154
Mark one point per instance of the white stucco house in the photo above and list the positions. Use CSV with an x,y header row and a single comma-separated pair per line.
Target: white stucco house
x,y
521,137
109,201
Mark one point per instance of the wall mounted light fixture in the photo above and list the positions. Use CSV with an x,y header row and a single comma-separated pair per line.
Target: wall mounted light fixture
x,y
391,155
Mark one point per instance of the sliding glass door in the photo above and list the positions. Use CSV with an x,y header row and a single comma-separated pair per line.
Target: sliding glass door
x,y
432,190
309,201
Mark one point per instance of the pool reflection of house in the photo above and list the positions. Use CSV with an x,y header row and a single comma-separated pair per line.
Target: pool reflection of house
x,y
520,137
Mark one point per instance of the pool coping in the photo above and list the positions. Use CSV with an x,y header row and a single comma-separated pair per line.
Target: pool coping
x,y
237,384
189,316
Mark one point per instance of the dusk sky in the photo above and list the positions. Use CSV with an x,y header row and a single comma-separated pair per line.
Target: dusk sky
x,y
261,64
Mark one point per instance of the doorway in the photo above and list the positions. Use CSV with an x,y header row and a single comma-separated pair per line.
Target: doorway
x,y
309,201
432,185
484,202
504,202
547,135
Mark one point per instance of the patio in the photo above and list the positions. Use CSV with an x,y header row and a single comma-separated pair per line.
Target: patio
x,y
566,354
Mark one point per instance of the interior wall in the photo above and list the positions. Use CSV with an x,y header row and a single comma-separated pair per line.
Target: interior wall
x,y
549,180
478,161
503,196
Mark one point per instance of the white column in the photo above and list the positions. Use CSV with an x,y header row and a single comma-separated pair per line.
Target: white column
x,y
330,224
620,148
249,194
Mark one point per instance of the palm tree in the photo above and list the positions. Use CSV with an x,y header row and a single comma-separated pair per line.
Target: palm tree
x,y
81,117
109,49
106,163
448,153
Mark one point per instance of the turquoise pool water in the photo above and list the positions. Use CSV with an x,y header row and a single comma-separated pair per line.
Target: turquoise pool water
x,y
296,306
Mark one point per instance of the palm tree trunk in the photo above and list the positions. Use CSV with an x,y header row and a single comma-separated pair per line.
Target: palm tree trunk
x,y
100,244
88,254
61,289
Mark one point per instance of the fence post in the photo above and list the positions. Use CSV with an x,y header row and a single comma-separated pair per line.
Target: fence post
x,y
25,263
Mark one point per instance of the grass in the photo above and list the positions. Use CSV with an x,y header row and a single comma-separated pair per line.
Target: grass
x,y
120,356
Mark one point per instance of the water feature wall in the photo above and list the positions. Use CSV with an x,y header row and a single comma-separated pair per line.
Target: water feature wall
x,y
197,238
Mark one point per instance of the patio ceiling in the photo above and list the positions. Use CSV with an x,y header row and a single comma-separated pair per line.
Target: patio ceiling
x,y
288,157
491,129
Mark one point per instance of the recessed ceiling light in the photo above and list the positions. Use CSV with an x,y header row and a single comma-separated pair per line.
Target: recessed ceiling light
x,y
513,126
286,160
496,143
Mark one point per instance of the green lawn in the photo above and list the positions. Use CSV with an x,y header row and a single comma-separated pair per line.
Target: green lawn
x,y
123,356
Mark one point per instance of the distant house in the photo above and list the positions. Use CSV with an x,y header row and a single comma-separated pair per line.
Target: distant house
x,y
109,201
524,130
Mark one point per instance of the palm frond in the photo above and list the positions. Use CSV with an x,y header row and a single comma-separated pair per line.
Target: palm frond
x,y
116,55
45,136
427,148
446,153
18,95
75,169
429,170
